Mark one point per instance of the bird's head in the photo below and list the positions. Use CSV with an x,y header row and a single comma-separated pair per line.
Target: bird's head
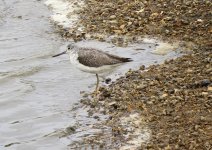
x,y
69,48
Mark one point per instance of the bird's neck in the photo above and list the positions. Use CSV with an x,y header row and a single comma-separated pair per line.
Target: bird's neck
x,y
74,51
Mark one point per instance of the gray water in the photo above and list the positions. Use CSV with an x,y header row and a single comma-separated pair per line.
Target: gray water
x,y
37,92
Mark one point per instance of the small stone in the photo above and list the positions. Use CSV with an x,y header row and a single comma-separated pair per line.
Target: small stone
x,y
205,82
140,87
19,17
167,31
113,21
199,20
142,67
129,23
189,71
112,16
140,11
164,95
96,117
210,88
149,102
122,26
117,31
168,18
108,80
168,148
196,127
171,91
111,103
71,130
204,93
202,118
176,118
153,15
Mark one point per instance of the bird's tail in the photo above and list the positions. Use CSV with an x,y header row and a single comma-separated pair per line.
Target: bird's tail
x,y
120,59
126,59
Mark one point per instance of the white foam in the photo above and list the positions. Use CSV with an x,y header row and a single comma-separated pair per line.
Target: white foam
x,y
64,12
164,48
138,131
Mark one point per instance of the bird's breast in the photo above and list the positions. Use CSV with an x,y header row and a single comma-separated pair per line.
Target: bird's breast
x,y
74,59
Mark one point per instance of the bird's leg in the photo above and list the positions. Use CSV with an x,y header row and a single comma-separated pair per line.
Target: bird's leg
x,y
97,84
96,91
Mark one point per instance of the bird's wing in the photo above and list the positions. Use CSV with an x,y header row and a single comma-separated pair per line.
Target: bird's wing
x,y
97,58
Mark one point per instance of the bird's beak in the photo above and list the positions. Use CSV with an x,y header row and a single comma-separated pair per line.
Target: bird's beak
x,y
60,54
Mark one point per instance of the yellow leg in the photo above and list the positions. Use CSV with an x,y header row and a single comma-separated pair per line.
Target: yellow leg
x,y
97,84
95,93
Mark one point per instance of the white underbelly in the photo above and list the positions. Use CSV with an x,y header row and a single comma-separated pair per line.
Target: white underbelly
x,y
96,69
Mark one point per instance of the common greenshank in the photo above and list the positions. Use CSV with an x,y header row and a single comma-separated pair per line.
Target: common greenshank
x,y
92,60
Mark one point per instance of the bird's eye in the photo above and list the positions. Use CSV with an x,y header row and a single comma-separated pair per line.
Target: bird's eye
x,y
68,48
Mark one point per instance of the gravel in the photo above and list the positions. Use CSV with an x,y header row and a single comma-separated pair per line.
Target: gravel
x,y
173,99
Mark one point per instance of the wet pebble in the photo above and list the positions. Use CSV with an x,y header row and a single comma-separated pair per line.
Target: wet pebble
x,y
108,80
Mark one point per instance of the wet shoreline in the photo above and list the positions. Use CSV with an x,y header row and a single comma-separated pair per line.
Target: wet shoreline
x,y
172,99
37,92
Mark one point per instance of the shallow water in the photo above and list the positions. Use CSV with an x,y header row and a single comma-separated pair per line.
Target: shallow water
x,y
37,91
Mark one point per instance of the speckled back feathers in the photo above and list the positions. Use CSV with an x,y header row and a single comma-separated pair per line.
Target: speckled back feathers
x,y
96,58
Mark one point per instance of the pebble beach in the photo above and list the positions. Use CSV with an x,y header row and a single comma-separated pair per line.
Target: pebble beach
x,y
173,99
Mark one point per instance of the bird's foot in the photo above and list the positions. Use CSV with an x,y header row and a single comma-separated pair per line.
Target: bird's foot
x,y
95,93
95,96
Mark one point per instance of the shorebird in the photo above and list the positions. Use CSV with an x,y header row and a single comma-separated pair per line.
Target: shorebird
x,y
92,60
